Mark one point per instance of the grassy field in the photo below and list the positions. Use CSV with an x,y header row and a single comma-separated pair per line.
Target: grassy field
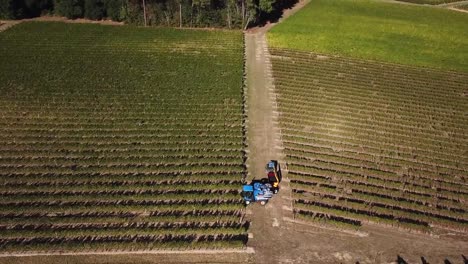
x,y
120,138
367,141
403,34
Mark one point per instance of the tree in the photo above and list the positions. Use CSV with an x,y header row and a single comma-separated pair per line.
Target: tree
x,y
144,13
199,6
94,9
249,12
113,9
6,9
265,6
131,12
69,8
193,13
33,8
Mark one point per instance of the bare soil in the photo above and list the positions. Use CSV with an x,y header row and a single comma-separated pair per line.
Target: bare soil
x,y
205,256
458,9
73,21
453,4
6,24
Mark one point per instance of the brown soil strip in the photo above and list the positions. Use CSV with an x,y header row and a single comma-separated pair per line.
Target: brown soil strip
x,y
453,4
73,21
458,9
133,257
6,24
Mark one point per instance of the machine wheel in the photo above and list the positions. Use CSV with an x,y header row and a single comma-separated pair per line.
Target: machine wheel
x,y
247,202
262,202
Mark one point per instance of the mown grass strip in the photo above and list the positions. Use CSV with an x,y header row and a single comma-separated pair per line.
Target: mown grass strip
x,y
403,34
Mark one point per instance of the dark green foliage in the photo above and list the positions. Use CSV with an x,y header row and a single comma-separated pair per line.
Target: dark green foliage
x,y
113,8
266,5
69,8
33,8
94,9
132,12
6,9
185,13
11,9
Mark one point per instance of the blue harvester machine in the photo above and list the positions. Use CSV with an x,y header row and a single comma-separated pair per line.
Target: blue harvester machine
x,y
257,192
262,190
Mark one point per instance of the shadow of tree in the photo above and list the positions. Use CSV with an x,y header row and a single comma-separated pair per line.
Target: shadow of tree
x,y
400,260
278,9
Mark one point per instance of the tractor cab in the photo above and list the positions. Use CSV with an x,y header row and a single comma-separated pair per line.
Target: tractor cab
x,y
257,192
248,193
274,174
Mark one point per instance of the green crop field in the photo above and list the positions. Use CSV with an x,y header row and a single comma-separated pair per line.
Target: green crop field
x,y
120,138
429,2
404,34
380,140
367,141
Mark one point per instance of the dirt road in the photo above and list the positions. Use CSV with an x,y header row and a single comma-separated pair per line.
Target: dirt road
x,y
6,24
453,4
264,144
134,257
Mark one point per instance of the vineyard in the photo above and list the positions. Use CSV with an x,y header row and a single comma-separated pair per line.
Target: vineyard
x,y
430,2
120,138
368,142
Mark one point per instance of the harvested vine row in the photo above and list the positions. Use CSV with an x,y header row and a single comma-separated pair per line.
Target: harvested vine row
x,y
120,138
373,142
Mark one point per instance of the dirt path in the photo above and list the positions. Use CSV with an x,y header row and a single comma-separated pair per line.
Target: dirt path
x,y
458,9
72,21
453,4
6,24
263,145
132,257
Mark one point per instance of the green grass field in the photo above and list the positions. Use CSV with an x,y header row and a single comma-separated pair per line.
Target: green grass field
x,y
403,34
120,138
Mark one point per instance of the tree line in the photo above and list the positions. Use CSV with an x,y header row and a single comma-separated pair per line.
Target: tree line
x,y
172,13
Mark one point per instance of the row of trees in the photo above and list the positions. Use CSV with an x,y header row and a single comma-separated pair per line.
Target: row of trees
x,y
183,13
